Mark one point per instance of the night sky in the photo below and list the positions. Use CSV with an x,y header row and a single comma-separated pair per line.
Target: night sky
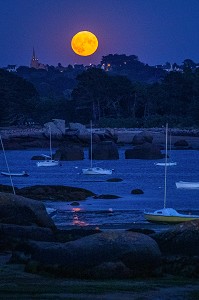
x,y
156,31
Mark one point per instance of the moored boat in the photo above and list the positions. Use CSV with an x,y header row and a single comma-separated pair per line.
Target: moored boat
x,y
49,161
168,164
168,216
24,174
97,171
187,185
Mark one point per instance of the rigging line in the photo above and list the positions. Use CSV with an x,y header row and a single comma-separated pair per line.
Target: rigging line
x,y
91,147
165,174
7,166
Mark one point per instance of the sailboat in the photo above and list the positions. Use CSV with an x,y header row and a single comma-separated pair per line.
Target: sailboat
x,y
167,215
8,173
13,188
187,185
48,161
95,170
169,163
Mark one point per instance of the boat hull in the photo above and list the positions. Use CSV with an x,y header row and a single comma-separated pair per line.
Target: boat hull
x,y
96,171
166,164
187,185
47,163
169,219
23,174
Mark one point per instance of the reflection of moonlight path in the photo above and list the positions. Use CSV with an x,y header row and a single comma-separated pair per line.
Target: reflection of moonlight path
x,y
84,43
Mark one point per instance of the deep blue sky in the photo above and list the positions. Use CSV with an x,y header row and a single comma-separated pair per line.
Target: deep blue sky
x,y
156,31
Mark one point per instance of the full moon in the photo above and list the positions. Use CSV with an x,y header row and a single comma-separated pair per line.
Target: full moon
x,y
84,43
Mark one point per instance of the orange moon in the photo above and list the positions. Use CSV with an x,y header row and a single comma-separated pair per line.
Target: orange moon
x,y
84,43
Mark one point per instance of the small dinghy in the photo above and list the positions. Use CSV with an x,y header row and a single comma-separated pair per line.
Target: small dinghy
x,y
24,174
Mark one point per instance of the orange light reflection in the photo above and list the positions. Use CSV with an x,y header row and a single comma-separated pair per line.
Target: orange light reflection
x,y
76,220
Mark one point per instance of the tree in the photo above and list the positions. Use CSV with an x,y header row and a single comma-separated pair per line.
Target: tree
x,y
99,95
188,63
17,96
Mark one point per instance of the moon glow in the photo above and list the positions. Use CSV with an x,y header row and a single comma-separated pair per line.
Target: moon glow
x,y
84,43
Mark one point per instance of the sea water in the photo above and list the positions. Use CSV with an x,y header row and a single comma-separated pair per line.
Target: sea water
x,y
123,212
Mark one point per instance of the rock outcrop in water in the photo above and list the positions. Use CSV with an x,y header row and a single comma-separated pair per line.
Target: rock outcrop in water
x,y
145,151
50,192
105,151
66,152
143,147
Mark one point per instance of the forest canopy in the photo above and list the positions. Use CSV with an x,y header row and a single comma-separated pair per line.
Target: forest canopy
x,y
107,94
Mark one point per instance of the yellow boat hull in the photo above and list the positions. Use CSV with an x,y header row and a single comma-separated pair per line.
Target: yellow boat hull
x,y
169,219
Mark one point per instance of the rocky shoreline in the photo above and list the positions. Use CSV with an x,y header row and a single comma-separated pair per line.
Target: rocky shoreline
x,y
34,249
24,137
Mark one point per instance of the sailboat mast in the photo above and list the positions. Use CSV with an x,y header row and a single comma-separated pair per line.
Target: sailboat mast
x,y
51,154
165,174
7,166
91,148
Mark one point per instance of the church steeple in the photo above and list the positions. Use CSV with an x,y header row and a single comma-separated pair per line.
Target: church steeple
x,y
33,53
34,61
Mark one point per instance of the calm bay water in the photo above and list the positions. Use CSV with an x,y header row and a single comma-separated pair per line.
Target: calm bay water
x,y
124,212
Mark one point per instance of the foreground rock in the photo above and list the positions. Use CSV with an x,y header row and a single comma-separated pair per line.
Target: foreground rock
x,y
182,239
104,255
23,211
180,248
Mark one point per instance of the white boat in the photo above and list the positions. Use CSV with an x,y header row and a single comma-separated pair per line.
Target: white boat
x,y
48,161
187,185
24,174
168,164
167,215
13,188
95,170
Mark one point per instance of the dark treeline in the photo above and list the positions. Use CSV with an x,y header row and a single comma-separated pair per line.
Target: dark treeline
x,y
120,92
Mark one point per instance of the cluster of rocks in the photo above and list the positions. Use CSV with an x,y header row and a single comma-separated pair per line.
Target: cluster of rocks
x,y
30,234
70,141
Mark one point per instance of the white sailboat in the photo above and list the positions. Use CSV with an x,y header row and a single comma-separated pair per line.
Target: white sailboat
x,y
187,185
167,215
95,170
13,188
169,163
48,161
